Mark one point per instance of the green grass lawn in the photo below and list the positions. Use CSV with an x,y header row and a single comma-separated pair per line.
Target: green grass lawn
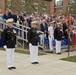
x,y
24,51
71,59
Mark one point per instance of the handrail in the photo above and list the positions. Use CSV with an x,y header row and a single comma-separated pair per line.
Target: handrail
x,y
22,32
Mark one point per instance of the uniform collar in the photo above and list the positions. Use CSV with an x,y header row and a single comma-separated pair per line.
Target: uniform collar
x,y
10,28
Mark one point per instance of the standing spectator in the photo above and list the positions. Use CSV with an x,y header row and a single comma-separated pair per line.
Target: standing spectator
x,y
44,29
65,29
74,31
1,19
58,38
5,16
21,17
51,35
1,16
10,14
19,23
71,37
15,17
39,22
29,20
25,21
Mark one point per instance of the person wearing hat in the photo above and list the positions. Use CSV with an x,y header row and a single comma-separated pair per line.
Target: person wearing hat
x,y
33,42
9,43
58,33
51,35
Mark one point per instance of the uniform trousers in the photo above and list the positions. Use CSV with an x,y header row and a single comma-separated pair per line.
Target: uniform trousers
x,y
58,46
33,53
41,39
51,43
10,57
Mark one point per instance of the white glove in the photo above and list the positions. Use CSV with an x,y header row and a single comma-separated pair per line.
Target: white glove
x,y
14,31
38,31
15,45
30,44
5,47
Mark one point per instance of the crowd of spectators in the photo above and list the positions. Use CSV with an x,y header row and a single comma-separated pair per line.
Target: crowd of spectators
x,y
44,22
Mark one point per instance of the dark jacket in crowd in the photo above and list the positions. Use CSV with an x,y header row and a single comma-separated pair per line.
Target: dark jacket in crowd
x,y
43,28
10,15
7,16
29,22
9,37
21,18
15,18
64,30
33,36
58,34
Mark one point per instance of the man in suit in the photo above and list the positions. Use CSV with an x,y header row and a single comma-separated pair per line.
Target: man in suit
x,y
5,16
9,43
8,14
33,42
43,28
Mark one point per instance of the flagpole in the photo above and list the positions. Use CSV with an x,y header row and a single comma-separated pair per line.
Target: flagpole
x,y
68,31
67,23
68,42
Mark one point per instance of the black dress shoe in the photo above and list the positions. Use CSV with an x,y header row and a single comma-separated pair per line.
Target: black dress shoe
x,y
32,62
10,68
58,53
13,67
36,62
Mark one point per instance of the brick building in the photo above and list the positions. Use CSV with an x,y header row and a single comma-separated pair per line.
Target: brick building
x,y
2,5
15,4
52,7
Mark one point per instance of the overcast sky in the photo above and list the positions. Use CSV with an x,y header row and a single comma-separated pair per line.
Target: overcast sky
x,y
57,0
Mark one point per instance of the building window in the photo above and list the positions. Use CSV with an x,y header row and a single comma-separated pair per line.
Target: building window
x,y
58,3
36,7
71,1
23,5
8,4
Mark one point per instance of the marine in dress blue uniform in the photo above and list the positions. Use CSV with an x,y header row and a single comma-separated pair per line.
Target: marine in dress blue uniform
x,y
9,43
58,37
33,43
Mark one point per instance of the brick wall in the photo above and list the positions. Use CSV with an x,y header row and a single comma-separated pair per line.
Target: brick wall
x,y
52,11
65,4
57,10
50,6
2,5
16,5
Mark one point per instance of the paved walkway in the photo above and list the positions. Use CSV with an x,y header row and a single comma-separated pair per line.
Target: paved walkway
x,y
49,65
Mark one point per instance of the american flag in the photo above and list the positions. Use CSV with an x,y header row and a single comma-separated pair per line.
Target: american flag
x,y
68,17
